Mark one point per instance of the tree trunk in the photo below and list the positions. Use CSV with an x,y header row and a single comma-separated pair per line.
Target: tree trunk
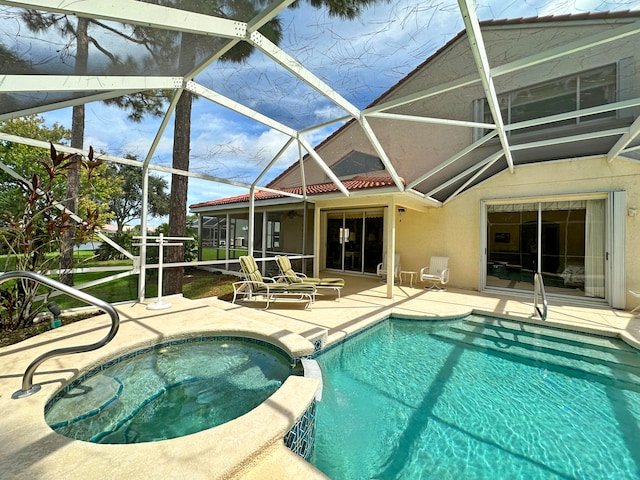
x,y
73,173
172,280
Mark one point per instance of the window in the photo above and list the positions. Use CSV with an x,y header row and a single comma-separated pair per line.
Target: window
x,y
357,163
563,240
273,234
567,94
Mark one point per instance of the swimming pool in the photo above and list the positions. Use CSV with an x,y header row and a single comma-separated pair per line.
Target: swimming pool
x,y
482,398
169,390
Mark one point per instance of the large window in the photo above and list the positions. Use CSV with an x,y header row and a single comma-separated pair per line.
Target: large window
x,y
563,240
354,240
567,94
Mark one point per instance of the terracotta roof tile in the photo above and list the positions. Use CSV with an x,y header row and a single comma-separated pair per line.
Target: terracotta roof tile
x,y
354,184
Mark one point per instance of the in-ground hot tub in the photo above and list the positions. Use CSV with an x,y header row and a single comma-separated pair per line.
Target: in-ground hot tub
x,y
169,390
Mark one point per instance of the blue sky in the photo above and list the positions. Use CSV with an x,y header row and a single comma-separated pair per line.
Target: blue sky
x,y
360,59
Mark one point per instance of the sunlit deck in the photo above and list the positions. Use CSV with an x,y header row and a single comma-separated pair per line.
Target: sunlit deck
x,y
251,446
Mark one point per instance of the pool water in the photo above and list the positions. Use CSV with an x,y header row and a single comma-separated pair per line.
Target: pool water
x,y
167,391
481,398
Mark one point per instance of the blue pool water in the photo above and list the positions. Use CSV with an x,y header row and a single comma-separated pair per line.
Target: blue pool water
x,y
169,390
478,399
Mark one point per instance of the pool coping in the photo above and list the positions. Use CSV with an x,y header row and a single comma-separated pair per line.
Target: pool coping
x,y
32,450
224,453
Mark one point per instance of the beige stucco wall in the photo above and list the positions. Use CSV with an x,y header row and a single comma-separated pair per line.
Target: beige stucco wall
x,y
454,230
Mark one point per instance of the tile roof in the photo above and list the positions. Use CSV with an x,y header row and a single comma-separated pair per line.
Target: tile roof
x,y
354,184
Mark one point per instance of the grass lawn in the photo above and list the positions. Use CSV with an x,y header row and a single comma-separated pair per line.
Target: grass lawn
x,y
197,284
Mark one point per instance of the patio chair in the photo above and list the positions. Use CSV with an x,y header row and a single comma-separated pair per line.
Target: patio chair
x,y
255,284
381,269
436,274
287,274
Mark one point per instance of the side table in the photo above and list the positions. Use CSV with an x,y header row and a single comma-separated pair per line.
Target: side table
x,y
407,273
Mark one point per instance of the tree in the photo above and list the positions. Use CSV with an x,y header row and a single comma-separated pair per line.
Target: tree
x,y
23,159
161,45
128,204
26,161
182,120
138,104
348,9
32,232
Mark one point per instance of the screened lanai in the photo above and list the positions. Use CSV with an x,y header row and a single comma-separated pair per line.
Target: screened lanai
x,y
273,80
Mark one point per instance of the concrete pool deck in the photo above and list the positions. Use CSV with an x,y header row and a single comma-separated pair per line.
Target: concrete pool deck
x,y
251,446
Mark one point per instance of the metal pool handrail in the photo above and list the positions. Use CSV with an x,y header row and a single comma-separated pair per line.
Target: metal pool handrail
x,y
28,388
539,290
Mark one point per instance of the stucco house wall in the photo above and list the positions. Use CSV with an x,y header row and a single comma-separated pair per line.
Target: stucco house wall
x,y
454,230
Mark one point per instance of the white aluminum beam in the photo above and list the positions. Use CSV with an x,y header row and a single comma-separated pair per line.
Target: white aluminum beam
x,y
67,103
273,161
368,131
296,68
432,201
453,159
81,83
554,53
632,149
568,49
421,95
472,179
574,114
472,24
491,159
625,140
437,121
325,124
323,166
141,13
279,192
239,108
271,11
572,138
127,161
303,179
267,14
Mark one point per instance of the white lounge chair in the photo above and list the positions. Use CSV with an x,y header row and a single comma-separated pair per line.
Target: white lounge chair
x,y
436,274
255,284
381,269
289,275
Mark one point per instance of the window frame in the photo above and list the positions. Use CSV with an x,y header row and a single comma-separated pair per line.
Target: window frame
x,y
481,110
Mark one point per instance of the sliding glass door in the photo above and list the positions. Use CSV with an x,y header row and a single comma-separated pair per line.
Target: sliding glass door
x,y
353,240
563,240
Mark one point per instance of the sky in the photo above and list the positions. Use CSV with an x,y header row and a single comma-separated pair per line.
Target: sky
x,y
360,59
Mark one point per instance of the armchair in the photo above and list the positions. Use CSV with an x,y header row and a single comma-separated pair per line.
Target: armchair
x,y
436,274
381,269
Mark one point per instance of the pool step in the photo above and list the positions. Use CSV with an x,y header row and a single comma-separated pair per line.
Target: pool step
x,y
551,348
598,346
